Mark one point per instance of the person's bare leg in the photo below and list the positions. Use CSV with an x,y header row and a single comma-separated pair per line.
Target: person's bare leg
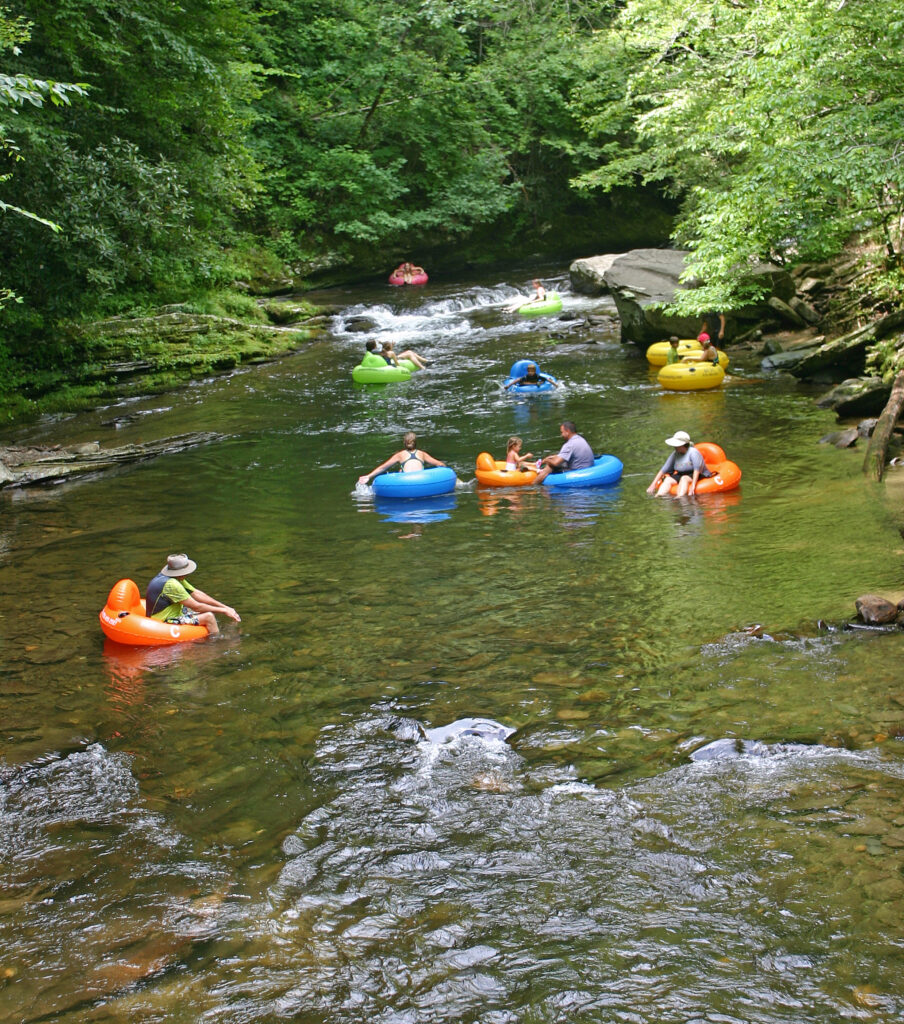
x,y
209,620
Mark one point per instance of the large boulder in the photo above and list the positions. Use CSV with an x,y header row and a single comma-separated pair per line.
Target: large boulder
x,y
858,396
846,356
876,610
643,279
588,276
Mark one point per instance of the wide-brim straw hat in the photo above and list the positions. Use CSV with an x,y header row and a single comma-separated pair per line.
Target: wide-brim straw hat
x,y
178,565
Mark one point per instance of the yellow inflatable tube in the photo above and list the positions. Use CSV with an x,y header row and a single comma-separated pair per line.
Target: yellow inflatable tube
x,y
694,357
690,376
658,352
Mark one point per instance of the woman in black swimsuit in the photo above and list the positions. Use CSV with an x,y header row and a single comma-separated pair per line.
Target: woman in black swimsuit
x,y
411,459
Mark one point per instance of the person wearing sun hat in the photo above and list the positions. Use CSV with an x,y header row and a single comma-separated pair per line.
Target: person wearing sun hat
x,y
683,467
172,599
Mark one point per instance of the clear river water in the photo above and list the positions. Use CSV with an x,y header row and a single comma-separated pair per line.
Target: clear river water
x,y
693,820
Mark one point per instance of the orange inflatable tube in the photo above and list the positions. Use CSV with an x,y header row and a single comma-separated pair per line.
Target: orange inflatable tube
x,y
492,473
726,475
123,619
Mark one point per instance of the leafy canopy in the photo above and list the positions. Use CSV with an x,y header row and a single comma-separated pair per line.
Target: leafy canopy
x,y
778,124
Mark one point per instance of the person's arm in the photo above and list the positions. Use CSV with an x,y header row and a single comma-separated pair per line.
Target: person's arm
x,y
553,460
662,474
429,458
198,601
699,464
380,469
721,326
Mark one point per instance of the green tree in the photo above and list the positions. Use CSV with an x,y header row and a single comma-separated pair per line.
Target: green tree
x,y
145,176
417,122
17,91
778,125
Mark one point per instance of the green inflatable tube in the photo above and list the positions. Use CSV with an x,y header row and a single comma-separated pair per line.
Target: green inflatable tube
x,y
384,374
538,307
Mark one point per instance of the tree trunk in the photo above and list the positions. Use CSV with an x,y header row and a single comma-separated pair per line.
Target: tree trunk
x,y
874,463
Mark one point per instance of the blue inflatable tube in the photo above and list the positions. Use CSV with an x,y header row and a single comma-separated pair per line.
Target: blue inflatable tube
x,y
423,484
606,469
518,370
433,509
532,389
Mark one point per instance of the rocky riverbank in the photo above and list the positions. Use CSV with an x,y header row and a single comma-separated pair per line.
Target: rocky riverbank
x,y
162,350
821,322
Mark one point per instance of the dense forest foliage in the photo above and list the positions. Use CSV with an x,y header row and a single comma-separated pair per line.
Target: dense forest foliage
x,y
154,151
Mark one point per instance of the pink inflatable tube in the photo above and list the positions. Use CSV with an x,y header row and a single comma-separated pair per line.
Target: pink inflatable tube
x,y
396,278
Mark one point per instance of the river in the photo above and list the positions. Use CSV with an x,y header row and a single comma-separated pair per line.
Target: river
x,y
694,820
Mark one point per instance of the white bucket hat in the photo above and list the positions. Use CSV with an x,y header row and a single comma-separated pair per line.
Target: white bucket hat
x,y
681,437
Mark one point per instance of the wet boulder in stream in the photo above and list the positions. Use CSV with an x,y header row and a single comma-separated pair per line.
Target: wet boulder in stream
x,y
875,610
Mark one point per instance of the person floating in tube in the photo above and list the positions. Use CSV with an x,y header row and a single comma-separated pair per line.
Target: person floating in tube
x,y
538,296
683,467
171,599
410,459
533,376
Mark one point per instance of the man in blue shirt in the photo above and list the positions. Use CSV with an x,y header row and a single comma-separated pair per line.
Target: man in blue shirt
x,y
575,453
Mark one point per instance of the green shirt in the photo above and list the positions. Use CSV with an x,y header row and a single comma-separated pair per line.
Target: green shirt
x,y
672,356
176,591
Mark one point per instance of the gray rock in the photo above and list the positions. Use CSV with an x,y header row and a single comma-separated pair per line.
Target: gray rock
x,y
811,285
865,428
846,356
846,438
643,279
785,310
875,610
786,360
359,324
857,396
588,275
804,310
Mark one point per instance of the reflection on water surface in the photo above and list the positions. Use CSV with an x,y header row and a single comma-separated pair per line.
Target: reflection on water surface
x,y
256,828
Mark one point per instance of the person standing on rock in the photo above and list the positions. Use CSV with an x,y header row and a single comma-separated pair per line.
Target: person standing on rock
x,y
714,326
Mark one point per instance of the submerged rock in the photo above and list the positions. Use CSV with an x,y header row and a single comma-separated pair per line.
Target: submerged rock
x,y
727,749
482,728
